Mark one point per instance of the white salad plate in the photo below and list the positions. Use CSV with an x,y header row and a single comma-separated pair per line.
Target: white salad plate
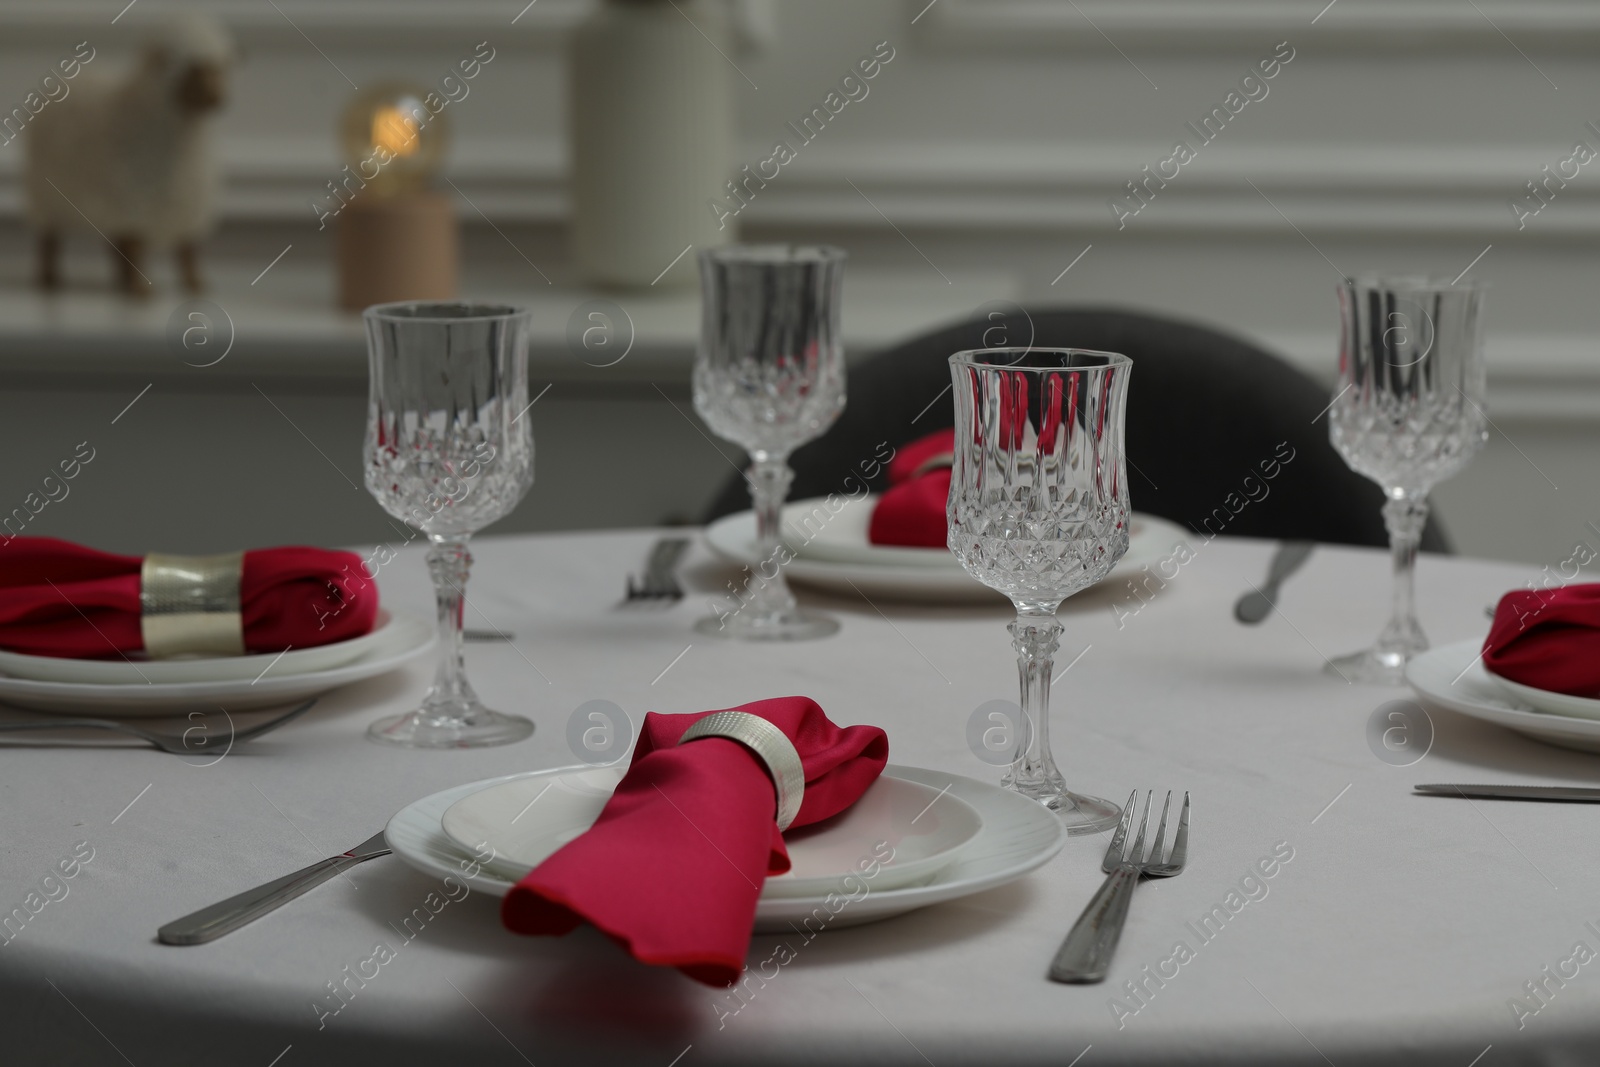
x,y
1453,677
831,551
1017,836
527,819
139,671
402,640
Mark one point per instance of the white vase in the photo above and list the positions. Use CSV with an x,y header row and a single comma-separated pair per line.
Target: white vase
x,y
650,127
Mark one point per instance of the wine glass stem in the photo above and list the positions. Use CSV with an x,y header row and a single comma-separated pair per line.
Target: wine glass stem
x,y
768,593
1036,636
1404,514
449,563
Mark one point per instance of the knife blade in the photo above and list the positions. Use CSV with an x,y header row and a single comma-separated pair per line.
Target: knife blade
x,y
1571,793
224,917
1257,604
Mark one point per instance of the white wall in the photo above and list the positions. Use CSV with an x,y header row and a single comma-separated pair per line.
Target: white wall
x,y
994,141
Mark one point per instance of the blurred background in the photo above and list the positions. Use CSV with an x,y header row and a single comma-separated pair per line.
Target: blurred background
x,y
976,169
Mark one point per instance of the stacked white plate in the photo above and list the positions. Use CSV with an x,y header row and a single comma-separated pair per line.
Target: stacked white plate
x,y
947,837
136,687
831,551
1454,677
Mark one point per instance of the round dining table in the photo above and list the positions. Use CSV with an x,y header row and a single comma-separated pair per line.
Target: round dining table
x,y
1360,923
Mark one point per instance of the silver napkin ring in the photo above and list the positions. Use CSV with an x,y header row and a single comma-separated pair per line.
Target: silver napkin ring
x,y
769,744
933,463
190,604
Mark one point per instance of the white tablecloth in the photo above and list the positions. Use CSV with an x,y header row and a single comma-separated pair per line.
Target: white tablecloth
x,y
1400,930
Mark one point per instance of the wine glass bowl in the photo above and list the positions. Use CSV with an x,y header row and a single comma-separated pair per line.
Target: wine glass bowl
x,y
448,451
1410,419
770,373
1038,510
1408,414
1038,556
769,376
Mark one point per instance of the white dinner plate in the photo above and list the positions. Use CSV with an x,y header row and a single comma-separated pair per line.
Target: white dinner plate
x,y
832,552
1453,677
1018,836
139,671
527,819
402,641
1546,701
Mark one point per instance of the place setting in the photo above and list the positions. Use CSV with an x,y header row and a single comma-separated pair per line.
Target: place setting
x,y
159,636
852,543
768,816
1409,414
83,631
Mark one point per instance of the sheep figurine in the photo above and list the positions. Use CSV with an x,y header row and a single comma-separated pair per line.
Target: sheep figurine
x,y
128,156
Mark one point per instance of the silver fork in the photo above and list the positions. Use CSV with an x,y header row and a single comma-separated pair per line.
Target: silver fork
x,y
181,745
660,578
1085,955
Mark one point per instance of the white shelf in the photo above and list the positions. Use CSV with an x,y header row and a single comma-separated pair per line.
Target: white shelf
x,y
286,325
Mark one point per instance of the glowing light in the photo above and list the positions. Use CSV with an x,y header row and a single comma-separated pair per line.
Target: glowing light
x,y
391,142
395,129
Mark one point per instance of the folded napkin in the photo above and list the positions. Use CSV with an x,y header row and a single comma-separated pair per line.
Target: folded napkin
x,y
912,511
672,868
1548,639
62,599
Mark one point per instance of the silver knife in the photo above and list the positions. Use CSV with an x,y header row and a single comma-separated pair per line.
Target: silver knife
x,y
1257,603
212,922
1513,792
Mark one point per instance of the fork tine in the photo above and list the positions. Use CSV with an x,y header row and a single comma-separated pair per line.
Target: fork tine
x,y
660,581
1120,838
1137,855
1160,842
1180,843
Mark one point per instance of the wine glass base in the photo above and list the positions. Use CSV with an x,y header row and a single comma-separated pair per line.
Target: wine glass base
x,y
1371,666
1079,814
784,626
478,728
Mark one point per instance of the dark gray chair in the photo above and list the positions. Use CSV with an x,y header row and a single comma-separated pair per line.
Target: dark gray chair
x,y
1209,417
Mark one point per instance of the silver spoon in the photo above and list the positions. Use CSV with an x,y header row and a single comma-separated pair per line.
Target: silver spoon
x,y
1258,603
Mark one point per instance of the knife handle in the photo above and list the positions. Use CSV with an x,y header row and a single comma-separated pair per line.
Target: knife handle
x,y
224,917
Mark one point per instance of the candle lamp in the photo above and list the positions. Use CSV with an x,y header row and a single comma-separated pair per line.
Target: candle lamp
x,y
396,235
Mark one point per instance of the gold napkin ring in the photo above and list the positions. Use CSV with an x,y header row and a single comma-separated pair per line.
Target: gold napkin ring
x,y
769,744
190,604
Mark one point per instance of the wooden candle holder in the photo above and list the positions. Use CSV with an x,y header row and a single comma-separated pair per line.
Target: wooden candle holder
x,y
404,247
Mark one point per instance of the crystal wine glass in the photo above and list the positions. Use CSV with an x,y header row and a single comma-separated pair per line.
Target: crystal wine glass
x,y
1407,413
1038,510
769,376
448,451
